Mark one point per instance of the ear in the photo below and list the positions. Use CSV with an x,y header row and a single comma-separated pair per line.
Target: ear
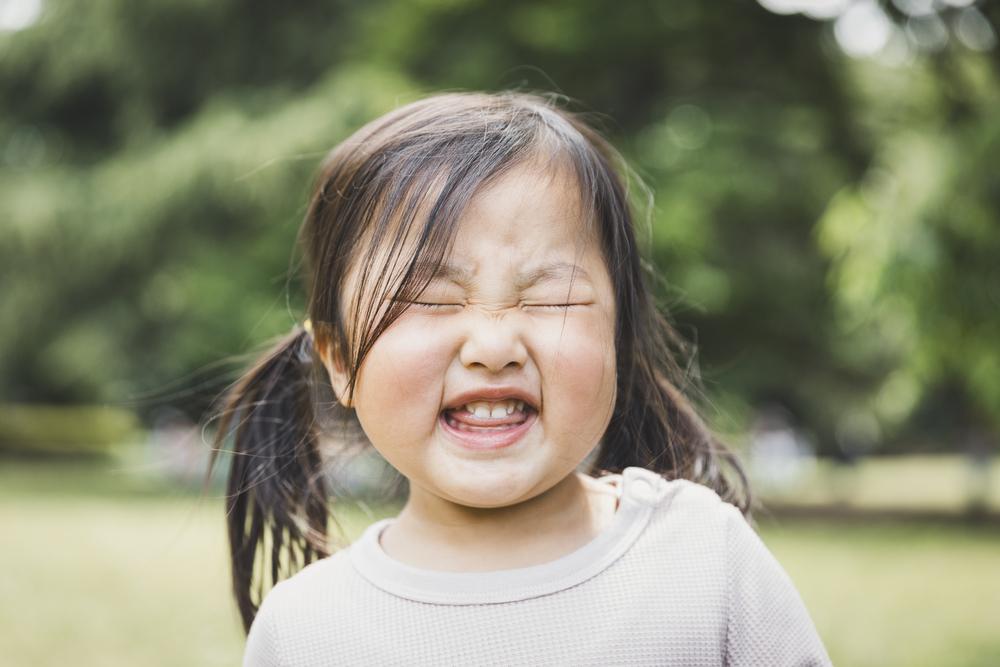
x,y
336,369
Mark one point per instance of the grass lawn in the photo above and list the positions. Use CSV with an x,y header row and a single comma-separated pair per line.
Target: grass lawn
x,y
896,594
100,568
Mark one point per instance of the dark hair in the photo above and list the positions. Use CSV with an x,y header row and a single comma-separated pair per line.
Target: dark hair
x,y
434,155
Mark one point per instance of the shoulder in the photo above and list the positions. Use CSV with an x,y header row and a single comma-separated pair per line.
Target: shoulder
x,y
689,520
310,585
767,622
693,495
692,521
295,612
686,499
323,573
295,609
698,510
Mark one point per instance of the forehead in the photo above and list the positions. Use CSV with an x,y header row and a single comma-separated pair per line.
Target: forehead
x,y
528,217
528,207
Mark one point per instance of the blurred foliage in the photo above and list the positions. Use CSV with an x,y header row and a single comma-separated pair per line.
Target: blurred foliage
x,y
132,271
78,430
915,243
826,226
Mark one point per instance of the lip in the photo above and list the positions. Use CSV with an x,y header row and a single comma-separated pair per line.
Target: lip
x,y
487,439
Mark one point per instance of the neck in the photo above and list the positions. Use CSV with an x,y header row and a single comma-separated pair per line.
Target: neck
x,y
434,533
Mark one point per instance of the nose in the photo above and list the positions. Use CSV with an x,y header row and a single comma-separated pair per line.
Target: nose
x,y
494,342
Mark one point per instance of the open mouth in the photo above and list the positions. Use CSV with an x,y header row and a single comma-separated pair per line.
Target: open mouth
x,y
489,414
489,424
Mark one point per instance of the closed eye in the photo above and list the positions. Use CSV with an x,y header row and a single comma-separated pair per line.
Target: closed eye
x,y
437,306
423,304
427,304
553,305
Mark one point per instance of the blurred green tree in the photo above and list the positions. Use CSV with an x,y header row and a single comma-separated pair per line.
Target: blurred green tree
x,y
915,244
158,159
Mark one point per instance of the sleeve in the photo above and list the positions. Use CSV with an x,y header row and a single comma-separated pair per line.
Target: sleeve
x,y
768,623
262,648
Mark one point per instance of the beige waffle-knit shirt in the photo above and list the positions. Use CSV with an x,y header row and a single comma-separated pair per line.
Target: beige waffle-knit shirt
x,y
677,578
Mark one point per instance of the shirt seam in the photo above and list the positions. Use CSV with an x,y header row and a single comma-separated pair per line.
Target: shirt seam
x,y
643,509
640,524
726,658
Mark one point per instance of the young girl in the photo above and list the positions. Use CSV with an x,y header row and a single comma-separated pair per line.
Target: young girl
x,y
479,307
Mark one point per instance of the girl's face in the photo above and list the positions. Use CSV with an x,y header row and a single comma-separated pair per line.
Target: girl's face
x,y
498,321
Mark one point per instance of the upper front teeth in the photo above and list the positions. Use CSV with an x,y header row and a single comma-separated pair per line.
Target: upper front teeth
x,y
498,409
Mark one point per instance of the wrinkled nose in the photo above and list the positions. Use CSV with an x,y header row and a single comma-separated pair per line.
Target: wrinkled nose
x,y
494,341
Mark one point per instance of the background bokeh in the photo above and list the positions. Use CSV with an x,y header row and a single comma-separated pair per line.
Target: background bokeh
x,y
826,221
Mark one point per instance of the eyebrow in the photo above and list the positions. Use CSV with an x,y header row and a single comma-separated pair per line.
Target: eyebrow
x,y
463,276
553,271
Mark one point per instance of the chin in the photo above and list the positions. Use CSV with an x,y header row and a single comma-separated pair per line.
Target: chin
x,y
495,502
489,493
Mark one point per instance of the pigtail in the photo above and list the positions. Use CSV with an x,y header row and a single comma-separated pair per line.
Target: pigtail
x,y
276,502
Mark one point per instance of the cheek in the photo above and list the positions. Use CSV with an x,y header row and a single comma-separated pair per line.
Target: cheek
x,y
400,384
580,371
